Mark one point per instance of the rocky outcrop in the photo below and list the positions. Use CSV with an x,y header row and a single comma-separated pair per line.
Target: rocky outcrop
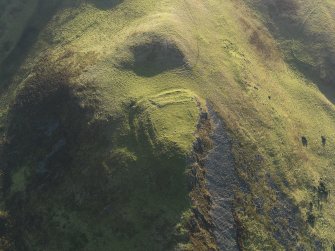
x,y
222,181
216,180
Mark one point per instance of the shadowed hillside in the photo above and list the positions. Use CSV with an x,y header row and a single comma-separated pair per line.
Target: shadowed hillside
x,y
167,125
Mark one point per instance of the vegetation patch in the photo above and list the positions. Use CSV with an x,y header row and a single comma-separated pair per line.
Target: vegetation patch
x,y
124,187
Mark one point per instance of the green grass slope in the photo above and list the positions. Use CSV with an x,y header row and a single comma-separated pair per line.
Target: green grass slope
x,y
99,116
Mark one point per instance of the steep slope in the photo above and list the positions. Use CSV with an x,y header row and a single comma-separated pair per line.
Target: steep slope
x,y
305,31
168,125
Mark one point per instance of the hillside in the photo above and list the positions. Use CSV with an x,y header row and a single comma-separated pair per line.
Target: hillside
x,y
167,125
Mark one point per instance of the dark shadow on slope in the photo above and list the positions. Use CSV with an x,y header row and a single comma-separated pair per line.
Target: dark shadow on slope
x,y
14,60
325,84
287,219
287,24
87,170
106,4
44,12
44,126
156,56
45,116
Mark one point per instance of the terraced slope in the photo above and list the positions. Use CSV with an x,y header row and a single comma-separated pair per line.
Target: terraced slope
x,y
167,125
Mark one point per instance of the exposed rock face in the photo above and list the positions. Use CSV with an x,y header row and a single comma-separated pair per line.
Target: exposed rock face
x,y
222,181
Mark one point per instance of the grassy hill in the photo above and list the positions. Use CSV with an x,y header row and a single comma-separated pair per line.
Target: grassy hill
x,y
104,104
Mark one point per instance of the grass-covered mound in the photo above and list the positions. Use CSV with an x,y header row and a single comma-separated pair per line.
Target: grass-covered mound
x,y
74,181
